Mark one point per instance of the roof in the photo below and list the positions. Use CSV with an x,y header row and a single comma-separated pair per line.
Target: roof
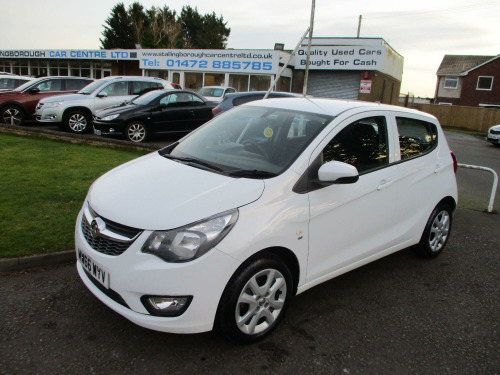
x,y
461,64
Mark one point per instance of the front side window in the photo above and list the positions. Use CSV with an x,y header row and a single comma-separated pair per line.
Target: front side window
x,y
253,139
362,144
451,82
415,137
484,83
178,100
116,89
50,85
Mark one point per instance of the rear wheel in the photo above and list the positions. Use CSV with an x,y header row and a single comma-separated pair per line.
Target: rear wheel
x,y
136,132
77,121
12,115
436,232
255,300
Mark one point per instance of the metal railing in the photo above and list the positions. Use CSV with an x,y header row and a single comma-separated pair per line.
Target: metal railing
x,y
495,182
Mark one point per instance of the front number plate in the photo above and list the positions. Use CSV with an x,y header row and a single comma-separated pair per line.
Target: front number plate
x,y
95,270
98,132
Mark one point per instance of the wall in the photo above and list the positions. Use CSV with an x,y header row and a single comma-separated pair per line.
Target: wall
x,y
444,95
471,118
385,89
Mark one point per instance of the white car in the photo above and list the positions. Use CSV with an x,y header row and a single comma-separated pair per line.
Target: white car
x,y
10,82
224,227
494,135
75,111
215,93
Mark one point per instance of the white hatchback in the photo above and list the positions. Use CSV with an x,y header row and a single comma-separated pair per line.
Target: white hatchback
x,y
222,228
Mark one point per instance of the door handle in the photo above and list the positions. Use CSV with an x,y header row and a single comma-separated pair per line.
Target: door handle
x,y
384,184
438,169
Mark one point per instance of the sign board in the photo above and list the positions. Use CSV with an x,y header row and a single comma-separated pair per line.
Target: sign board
x,y
365,87
342,58
89,54
200,60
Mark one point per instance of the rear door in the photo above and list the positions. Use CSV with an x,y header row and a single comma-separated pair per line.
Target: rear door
x,y
351,222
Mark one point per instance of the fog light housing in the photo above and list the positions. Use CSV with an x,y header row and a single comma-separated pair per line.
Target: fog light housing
x,y
166,305
111,130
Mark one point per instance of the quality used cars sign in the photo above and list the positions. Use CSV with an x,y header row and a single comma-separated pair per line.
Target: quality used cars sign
x,y
342,57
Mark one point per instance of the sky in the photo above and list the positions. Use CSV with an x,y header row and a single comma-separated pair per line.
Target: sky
x,y
421,31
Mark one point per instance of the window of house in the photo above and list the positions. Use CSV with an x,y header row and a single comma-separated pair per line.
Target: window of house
x,y
415,137
451,82
484,83
362,144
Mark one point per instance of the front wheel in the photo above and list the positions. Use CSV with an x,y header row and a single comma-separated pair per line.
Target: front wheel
x,y
136,132
436,232
255,300
12,115
77,121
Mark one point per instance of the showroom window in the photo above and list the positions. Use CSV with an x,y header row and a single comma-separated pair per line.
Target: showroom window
x,y
362,144
193,81
415,137
214,79
239,82
451,82
484,83
259,83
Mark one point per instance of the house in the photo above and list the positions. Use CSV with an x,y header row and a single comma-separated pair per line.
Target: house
x,y
469,81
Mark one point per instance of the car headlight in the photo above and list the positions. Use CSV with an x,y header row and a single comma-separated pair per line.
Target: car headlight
x,y
109,118
52,104
191,241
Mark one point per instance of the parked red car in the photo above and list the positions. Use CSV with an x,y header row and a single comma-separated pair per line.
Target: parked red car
x,y
19,104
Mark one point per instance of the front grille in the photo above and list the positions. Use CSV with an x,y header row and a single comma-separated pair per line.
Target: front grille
x,y
108,245
494,131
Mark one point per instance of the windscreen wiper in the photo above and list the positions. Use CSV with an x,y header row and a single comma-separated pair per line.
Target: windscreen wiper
x,y
252,173
195,163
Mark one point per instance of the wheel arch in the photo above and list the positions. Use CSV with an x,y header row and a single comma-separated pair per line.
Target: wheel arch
x,y
14,104
78,108
450,201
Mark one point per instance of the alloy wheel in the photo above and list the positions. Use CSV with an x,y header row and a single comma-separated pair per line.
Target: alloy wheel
x,y
261,301
136,132
439,231
77,122
12,116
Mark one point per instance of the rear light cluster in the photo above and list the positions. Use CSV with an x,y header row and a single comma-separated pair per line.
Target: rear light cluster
x,y
455,164
215,110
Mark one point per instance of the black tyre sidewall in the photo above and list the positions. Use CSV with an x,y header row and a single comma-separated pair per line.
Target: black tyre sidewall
x,y
21,111
84,114
423,249
132,123
225,320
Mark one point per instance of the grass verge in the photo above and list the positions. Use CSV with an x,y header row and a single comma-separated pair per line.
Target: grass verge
x,y
43,184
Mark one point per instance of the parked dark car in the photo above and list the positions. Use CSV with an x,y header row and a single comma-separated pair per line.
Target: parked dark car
x,y
156,112
239,98
18,105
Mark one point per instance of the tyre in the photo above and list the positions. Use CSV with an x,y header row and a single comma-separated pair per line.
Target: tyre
x,y
77,121
436,232
255,300
136,132
12,115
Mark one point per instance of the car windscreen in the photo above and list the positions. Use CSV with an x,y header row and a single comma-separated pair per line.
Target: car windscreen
x,y
210,91
90,88
148,97
260,141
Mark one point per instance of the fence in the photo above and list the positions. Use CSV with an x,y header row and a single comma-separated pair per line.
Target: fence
x,y
470,118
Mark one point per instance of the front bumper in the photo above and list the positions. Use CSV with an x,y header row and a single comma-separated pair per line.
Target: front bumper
x,y
134,274
52,115
108,127
493,140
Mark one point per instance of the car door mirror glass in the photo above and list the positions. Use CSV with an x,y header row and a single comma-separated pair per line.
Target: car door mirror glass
x,y
337,172
162,106
34,90
102,94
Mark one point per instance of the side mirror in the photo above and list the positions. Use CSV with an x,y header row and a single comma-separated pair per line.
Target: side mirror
x,y
102,95
162,106
336,172
34,90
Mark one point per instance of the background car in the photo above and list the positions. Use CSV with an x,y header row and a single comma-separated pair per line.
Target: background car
x,y
18,105
157,112
74,112
10,82
236,99
494,135
215,93
176,86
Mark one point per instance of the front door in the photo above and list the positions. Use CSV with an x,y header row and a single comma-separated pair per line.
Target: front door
x,y
113,94
350,222
174,114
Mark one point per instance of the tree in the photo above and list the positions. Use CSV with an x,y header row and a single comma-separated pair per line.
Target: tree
x,y
163,28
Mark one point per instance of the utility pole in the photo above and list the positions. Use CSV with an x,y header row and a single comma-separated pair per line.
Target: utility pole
x,y
359,24
306,75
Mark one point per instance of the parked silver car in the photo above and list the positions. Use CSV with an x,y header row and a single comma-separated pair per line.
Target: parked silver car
x,y
74,112
494,135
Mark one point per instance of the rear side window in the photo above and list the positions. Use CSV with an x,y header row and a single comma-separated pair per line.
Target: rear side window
x,y
246,99
76,84
139,88
415,137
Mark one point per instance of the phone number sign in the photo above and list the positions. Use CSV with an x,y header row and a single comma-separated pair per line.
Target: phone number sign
x,y
229,61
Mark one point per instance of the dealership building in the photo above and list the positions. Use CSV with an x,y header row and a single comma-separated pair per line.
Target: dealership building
x,y
348,68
